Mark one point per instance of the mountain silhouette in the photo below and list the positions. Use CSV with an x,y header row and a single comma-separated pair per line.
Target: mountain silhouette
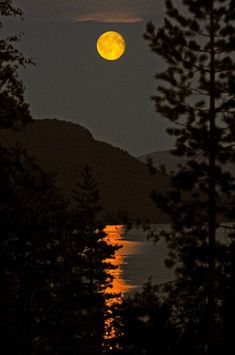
x,y
64,148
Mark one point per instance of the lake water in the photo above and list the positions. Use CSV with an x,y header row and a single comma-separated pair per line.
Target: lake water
x,y
139,258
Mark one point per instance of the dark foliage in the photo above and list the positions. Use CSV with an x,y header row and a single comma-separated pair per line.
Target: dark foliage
x,y
31,225
145,326
14,111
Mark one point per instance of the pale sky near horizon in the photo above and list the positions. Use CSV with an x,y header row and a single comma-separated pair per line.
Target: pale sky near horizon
x,y
71,82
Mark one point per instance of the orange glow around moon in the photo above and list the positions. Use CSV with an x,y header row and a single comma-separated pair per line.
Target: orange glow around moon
x,y
111,45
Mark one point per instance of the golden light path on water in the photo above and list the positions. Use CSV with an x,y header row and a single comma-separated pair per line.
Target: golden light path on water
x,y
115,236
120,286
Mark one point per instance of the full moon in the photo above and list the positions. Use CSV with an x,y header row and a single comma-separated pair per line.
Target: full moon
x,y
111,45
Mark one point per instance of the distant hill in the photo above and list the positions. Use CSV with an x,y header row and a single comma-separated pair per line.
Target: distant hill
x,y
171,161
64,148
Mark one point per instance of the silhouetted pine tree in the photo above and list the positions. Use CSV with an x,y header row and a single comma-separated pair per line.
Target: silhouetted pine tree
x,y
88,260
196,93
14,111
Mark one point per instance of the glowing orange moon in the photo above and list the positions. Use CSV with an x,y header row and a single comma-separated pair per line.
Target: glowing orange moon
x,y
111,45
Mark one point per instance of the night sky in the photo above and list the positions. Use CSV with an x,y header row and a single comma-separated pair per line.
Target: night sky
x,y
72,82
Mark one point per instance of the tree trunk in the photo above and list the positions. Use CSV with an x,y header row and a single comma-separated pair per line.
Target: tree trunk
x,y
211,350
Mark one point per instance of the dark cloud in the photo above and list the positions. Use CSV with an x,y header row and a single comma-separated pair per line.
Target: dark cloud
x,y
122,11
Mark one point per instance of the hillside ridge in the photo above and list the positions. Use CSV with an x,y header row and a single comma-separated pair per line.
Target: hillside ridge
x,y
64,148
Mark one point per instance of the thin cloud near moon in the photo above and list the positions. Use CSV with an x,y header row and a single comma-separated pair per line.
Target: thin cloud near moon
x,y
109,17
120,11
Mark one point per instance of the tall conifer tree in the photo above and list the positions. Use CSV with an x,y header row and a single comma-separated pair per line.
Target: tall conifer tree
x,y
95,253
196,93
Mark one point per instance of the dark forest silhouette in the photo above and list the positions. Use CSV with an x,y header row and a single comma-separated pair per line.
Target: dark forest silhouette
x,y
53,253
